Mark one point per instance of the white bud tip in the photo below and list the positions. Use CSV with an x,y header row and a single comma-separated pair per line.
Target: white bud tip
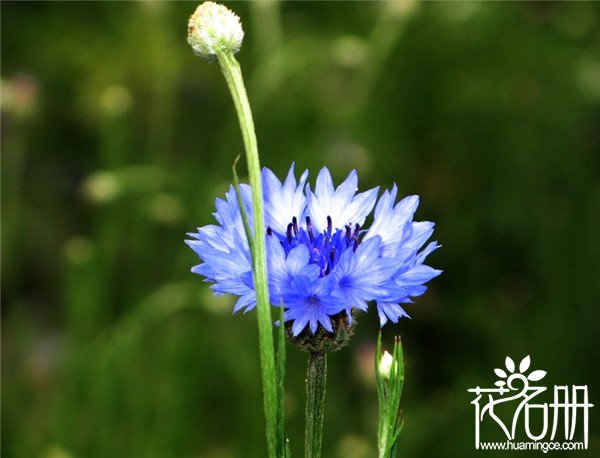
x,y
385,365
213,28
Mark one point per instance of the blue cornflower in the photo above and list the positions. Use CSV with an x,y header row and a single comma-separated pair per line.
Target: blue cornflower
x,y
321,262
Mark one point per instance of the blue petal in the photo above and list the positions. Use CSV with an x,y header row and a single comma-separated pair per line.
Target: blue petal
x,y
430,248
418,275
297,260
362,275
309,302
420,232
283,201
389,223
247,301
390,310
341,205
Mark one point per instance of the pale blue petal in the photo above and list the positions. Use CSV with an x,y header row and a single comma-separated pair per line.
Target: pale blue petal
x,y
248,301
297,260
418,275
341,205
283,201
420,232
391,311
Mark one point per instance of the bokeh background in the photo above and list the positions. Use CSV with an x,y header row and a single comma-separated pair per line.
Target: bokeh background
x,y
116,140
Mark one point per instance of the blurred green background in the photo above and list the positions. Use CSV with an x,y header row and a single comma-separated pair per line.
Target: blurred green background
x,y
116,140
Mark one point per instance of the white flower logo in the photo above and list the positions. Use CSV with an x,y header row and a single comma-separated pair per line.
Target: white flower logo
x,y
534,376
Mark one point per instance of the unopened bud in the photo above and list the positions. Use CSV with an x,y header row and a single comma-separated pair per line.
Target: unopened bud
x,y
213,28
385,365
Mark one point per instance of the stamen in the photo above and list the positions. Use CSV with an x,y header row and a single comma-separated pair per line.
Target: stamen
x,y
348,233
356,231
289,232
295,225
355,235
329,225
269,230
309,229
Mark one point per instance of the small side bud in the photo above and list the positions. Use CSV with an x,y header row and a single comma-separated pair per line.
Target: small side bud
x,y
213,28
385,365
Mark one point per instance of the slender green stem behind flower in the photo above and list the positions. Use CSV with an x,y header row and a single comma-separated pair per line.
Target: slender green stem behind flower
x,y
233,75
216,32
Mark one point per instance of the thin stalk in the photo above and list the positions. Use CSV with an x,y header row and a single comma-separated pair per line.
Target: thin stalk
x,y
316,378
233,76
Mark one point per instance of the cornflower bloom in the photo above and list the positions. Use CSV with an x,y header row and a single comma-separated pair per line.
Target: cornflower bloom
x,y
321,262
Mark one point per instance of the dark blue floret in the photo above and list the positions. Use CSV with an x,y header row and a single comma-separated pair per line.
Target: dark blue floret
x,y
324,249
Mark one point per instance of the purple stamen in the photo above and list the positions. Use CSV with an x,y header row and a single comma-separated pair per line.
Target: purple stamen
x,y
355,235
326,247
329,231
348,233
309,229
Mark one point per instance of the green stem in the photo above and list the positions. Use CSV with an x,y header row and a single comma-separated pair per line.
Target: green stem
x,y
233,75
316,377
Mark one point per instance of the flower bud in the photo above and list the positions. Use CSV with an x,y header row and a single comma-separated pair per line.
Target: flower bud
x,y
385,365
213,28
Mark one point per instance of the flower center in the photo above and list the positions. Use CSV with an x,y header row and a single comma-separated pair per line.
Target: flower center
x,y
325,248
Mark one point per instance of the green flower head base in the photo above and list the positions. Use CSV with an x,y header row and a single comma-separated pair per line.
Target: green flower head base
x,y
322,264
